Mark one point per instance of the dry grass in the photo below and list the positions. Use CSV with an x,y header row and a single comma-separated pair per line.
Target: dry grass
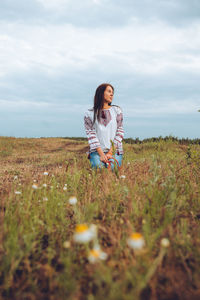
x,y
159,198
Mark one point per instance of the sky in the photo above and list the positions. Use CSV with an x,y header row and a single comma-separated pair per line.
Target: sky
x,y
54,54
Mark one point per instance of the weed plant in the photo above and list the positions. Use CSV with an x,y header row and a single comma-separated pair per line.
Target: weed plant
x,y
156,194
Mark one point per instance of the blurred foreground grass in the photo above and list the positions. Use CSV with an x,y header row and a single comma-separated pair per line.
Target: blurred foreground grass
x,y
158,196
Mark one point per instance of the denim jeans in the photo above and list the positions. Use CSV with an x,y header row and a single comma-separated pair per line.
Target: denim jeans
x,y
97,163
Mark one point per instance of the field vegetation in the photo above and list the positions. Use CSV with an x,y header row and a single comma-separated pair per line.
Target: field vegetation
x,y
156,195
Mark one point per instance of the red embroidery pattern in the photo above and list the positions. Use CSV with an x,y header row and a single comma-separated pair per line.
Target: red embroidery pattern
x,y
119,120
88,123
105,117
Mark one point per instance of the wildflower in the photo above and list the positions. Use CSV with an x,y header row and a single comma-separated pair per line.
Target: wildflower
x,y
45,199
136,241
15,177
66,244
72,200
128,163
96,254
122,176
34,180
83,234
34,186
165,243
44,185
65,188
65,184
46,173
18,192
60,167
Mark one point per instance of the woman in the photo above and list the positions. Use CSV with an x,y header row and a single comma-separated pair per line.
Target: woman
x,y
103,124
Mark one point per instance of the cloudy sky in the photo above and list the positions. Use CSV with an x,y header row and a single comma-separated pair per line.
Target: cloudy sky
x,y
54,53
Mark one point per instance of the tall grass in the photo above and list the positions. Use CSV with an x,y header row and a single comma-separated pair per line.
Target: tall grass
x,y
159,197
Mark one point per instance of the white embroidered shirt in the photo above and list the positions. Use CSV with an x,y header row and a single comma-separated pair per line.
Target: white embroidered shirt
x,y
109,127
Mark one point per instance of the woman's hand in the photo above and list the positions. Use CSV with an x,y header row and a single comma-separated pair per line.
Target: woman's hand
x,y
102,155
108,155
104,158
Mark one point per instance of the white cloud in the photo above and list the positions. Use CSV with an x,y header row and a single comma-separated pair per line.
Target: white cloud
x,y
54,53
18,106
97,1
31,106
54,4
138,108
135,48
160,107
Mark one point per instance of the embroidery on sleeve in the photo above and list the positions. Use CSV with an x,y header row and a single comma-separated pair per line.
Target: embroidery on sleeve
x,y
88,123
119,120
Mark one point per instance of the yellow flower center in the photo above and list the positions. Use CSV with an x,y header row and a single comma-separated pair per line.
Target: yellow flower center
x,y
81,228
136,236
95,253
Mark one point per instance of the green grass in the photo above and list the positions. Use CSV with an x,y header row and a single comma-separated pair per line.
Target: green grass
x,y
158,198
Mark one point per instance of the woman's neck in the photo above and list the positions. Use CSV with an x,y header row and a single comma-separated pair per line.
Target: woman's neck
x,y
106,106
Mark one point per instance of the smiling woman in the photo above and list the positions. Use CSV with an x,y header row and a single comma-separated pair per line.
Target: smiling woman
x,y
104,125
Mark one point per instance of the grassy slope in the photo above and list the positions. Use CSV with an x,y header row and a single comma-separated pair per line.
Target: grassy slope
x,y
159,198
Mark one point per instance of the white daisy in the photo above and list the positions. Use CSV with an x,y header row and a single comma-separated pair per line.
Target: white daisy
x,y
72,200
34,186
136,241
83,234
96,254
46,173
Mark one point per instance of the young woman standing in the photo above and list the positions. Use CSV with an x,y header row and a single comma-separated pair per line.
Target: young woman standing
x,y
103,124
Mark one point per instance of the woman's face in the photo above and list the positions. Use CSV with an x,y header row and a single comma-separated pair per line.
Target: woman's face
x,y
108,94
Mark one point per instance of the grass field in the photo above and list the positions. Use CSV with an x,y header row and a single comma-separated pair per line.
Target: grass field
x,y
156,194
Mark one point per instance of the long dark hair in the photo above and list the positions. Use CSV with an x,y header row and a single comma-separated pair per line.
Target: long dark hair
x,y
99,100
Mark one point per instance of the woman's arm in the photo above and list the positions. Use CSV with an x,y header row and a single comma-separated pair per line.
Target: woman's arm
x,y
91,133
92,138
120,131
103,156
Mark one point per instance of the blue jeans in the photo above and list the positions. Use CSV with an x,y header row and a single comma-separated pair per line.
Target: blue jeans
x,y
97,163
